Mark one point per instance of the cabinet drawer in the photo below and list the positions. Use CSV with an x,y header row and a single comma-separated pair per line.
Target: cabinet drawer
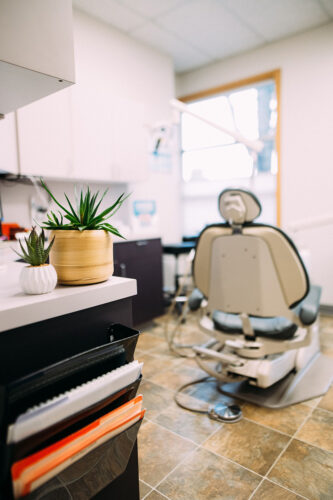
x,y
135,249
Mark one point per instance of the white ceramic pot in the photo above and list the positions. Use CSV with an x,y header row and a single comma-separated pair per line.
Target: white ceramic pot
x,y
36,280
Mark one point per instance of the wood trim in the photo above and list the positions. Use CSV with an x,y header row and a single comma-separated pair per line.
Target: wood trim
x,y
277,79
230,86
273,75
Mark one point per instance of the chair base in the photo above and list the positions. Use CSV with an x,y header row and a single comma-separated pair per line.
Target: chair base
x,y
312,381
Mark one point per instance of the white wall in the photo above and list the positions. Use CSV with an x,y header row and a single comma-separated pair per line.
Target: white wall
x,y
306,63
133,71
137,72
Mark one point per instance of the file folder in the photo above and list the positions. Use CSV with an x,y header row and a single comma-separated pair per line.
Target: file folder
x,y
74,422
52,411
34,470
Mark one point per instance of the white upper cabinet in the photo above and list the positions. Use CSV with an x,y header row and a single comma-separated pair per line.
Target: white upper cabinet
x,y
109,136
129,141
36,50
92,125
45,137
8,145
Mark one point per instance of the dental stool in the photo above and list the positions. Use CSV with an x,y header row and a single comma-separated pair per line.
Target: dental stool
x,y
261,312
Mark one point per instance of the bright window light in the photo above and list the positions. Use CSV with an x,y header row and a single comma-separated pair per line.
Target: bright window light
x,y
217,163
212,160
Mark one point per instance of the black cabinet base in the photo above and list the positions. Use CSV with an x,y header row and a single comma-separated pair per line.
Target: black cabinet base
x,y
47,342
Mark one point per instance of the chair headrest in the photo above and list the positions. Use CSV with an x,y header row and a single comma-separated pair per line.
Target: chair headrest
x,y
238,206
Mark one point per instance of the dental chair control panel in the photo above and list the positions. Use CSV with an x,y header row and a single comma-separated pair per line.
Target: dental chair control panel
x,y
261,309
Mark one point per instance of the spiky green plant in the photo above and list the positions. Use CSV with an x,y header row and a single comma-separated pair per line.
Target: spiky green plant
x,y
85,217
35,252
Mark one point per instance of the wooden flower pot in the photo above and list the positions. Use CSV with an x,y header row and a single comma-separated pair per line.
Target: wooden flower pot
x,y
82,258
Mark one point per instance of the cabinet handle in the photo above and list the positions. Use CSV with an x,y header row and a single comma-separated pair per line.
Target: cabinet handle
x,y
123,273
142,243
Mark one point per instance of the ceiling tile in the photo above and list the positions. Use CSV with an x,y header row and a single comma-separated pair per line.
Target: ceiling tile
x,y
210,27
185,57
151,8
111,12
277,19
327,6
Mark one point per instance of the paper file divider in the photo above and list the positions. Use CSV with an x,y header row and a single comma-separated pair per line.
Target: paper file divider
x,y
91,474
36,469
49,381
74,422
61,377
79,397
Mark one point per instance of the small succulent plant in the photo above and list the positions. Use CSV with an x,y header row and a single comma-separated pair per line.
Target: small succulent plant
x,y
35,252
85,216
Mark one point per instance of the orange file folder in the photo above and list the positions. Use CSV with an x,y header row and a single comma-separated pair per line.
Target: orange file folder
x,y
34,470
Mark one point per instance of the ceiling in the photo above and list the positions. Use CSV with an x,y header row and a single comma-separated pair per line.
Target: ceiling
x,y
199,32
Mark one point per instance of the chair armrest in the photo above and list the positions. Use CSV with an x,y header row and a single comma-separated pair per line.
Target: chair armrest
x,y
308,309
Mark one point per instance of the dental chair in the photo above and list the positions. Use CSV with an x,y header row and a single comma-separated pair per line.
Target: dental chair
x,y
261,312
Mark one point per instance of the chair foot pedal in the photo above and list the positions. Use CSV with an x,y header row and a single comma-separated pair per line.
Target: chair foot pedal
x,y
225,412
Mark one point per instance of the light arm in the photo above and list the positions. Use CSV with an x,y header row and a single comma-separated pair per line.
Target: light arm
x,y
256,146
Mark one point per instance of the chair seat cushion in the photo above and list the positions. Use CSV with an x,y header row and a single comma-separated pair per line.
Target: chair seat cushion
x,y
277,328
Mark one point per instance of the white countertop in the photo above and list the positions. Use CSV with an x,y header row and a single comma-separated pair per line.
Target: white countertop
x,y
18,309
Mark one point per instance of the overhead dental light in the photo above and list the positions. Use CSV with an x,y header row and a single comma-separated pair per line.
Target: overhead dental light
x,y
255,146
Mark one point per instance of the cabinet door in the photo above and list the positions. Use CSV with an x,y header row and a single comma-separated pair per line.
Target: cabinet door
x,y
92,129
142,260
45,137
109,134
8,145
129,142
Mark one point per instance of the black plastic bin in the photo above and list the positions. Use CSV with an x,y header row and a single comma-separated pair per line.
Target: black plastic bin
x,y
37,384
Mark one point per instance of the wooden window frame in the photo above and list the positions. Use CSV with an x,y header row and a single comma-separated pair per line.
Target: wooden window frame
x,y
245,82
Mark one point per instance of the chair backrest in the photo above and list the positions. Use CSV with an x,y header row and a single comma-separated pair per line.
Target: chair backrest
x,y
245,267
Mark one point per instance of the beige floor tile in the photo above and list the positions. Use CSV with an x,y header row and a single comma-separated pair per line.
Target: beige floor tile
x,y
191,425
155,365
157,329
177,376
144,489
209,393
190,334
305,469
327,350
326,338
205,476
285,420
159,452
138,353
268,490
327,401
326,323
163,350
318,430
154,495
248,444
148,342
155,398
312,403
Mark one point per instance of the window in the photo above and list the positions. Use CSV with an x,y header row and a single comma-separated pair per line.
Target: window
x,y
213,160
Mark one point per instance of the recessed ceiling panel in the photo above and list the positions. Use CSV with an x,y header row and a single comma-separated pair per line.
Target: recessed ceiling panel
x,y
111,12
275,19
210,27
185,57
152,8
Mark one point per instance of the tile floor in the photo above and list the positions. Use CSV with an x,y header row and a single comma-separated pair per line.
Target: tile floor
x,y
270,454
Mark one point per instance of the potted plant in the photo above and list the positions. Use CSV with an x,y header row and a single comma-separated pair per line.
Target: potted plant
x,y
83,249
39,277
